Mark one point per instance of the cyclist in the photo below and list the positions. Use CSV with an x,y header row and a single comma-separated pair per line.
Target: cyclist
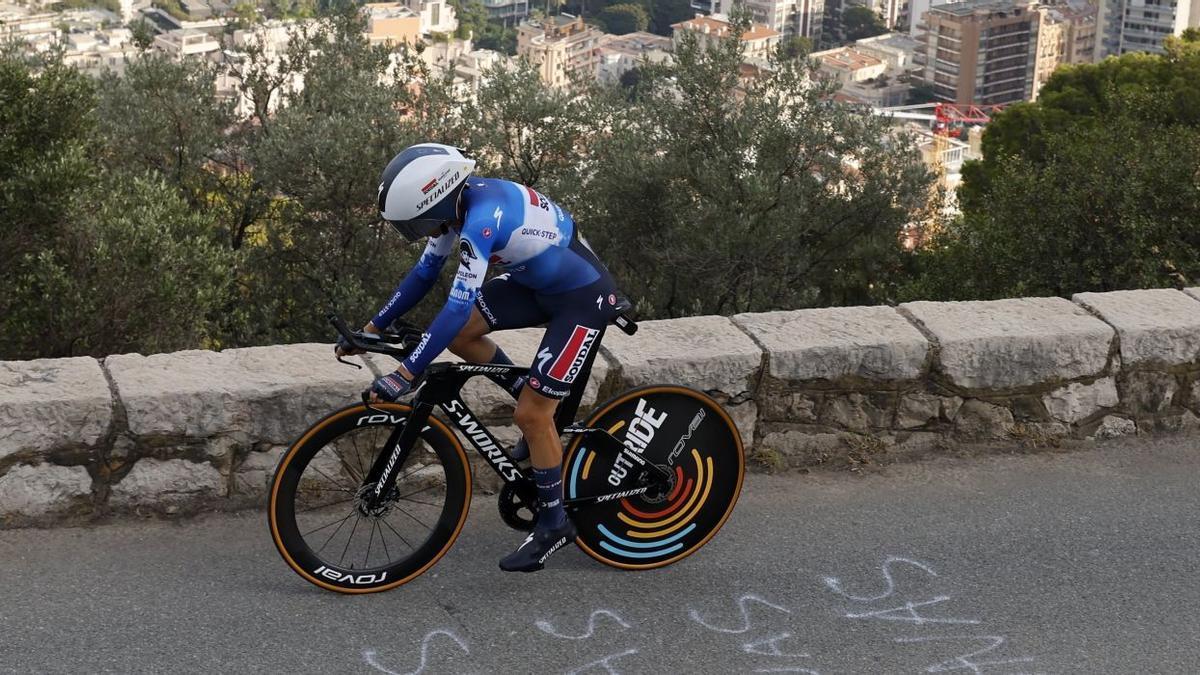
x,y
550,277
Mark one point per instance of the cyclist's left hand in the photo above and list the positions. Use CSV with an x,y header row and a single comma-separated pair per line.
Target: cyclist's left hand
x,y
390,387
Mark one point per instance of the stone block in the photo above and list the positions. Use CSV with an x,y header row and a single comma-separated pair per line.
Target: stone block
x,y
1158,327
1077,401
873,343
51,403
1194,292
1002,344
36,490
1113,426
1149,392
269,394
705,352
918,409
857,412
254,474
981,420
800,448
154,482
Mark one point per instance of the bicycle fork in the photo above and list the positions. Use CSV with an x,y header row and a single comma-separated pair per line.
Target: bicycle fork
x,y
394,454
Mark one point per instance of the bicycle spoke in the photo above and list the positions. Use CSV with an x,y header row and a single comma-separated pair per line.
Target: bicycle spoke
x,y
383,540
332,522
370,540
323,506
417,501
417,492
339,529
357,457
414,518
389,526
327,476
349,539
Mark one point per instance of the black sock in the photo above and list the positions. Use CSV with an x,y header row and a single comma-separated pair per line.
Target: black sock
x,y
511,382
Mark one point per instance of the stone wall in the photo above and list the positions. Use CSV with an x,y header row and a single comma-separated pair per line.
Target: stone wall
x,y
192,430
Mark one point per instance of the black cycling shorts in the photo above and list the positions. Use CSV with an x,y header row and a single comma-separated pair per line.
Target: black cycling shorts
x,y
574,321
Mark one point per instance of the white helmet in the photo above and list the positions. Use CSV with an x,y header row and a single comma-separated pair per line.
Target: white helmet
x,y
418,193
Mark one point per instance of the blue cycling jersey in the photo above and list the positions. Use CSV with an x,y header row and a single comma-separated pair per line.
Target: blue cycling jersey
x,y
513,226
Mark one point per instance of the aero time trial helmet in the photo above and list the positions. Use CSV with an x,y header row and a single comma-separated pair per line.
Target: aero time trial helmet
x,y
419,190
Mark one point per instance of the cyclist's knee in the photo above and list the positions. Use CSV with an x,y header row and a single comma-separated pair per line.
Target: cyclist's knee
x,y
475,328
534,411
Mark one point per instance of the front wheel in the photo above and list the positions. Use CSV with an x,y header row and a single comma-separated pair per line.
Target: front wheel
x,y
331,536
685,432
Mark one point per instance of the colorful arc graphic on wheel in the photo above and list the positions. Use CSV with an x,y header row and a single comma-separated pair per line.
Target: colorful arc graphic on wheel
x,y
695,443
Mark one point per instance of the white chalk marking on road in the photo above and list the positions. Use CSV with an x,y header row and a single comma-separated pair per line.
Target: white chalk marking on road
x,y
604,663
370,654
742,606
911,608
546,627
964,662
835,584
755,647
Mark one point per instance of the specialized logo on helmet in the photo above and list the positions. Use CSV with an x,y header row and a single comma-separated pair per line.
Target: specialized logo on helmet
x,y
466,252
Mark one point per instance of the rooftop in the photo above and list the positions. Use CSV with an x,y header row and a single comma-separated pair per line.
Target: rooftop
x,y
711,26
846,58
969,7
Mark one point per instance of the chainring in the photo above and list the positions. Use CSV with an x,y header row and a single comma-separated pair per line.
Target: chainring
x,y
515,500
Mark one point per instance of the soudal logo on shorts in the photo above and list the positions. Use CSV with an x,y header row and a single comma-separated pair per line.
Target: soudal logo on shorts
x,y
566,368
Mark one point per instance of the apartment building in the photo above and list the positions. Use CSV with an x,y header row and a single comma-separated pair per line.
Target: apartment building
x,y
757,43
391,23
980,51
1066,35
437,16
560,46
1125,26
510,12
188,43
620,54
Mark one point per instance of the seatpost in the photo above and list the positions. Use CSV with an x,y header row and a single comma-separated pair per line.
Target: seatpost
x,y
570,405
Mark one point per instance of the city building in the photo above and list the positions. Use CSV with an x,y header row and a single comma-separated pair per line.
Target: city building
x,y
1066,35
757,43
98,52
560,46
187,43
874,71
437,16
980,51
510,12
469,66
620,54
392,23
789,17
1125,26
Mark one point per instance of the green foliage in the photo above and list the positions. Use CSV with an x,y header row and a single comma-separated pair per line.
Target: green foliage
x,y
754,196
624,18
860,22
795,47
1090,215
660,13
1090,188
162,221
473,23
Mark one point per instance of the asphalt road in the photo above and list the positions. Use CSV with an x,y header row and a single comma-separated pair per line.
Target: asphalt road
x,y
1083,562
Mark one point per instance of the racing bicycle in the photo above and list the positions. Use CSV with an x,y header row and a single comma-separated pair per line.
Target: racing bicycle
x,y
374,494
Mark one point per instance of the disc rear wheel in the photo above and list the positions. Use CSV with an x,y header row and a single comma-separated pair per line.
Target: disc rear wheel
x,y
692,438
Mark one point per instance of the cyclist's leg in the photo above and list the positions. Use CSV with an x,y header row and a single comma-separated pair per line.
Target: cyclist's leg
x,y
500,305
577,319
